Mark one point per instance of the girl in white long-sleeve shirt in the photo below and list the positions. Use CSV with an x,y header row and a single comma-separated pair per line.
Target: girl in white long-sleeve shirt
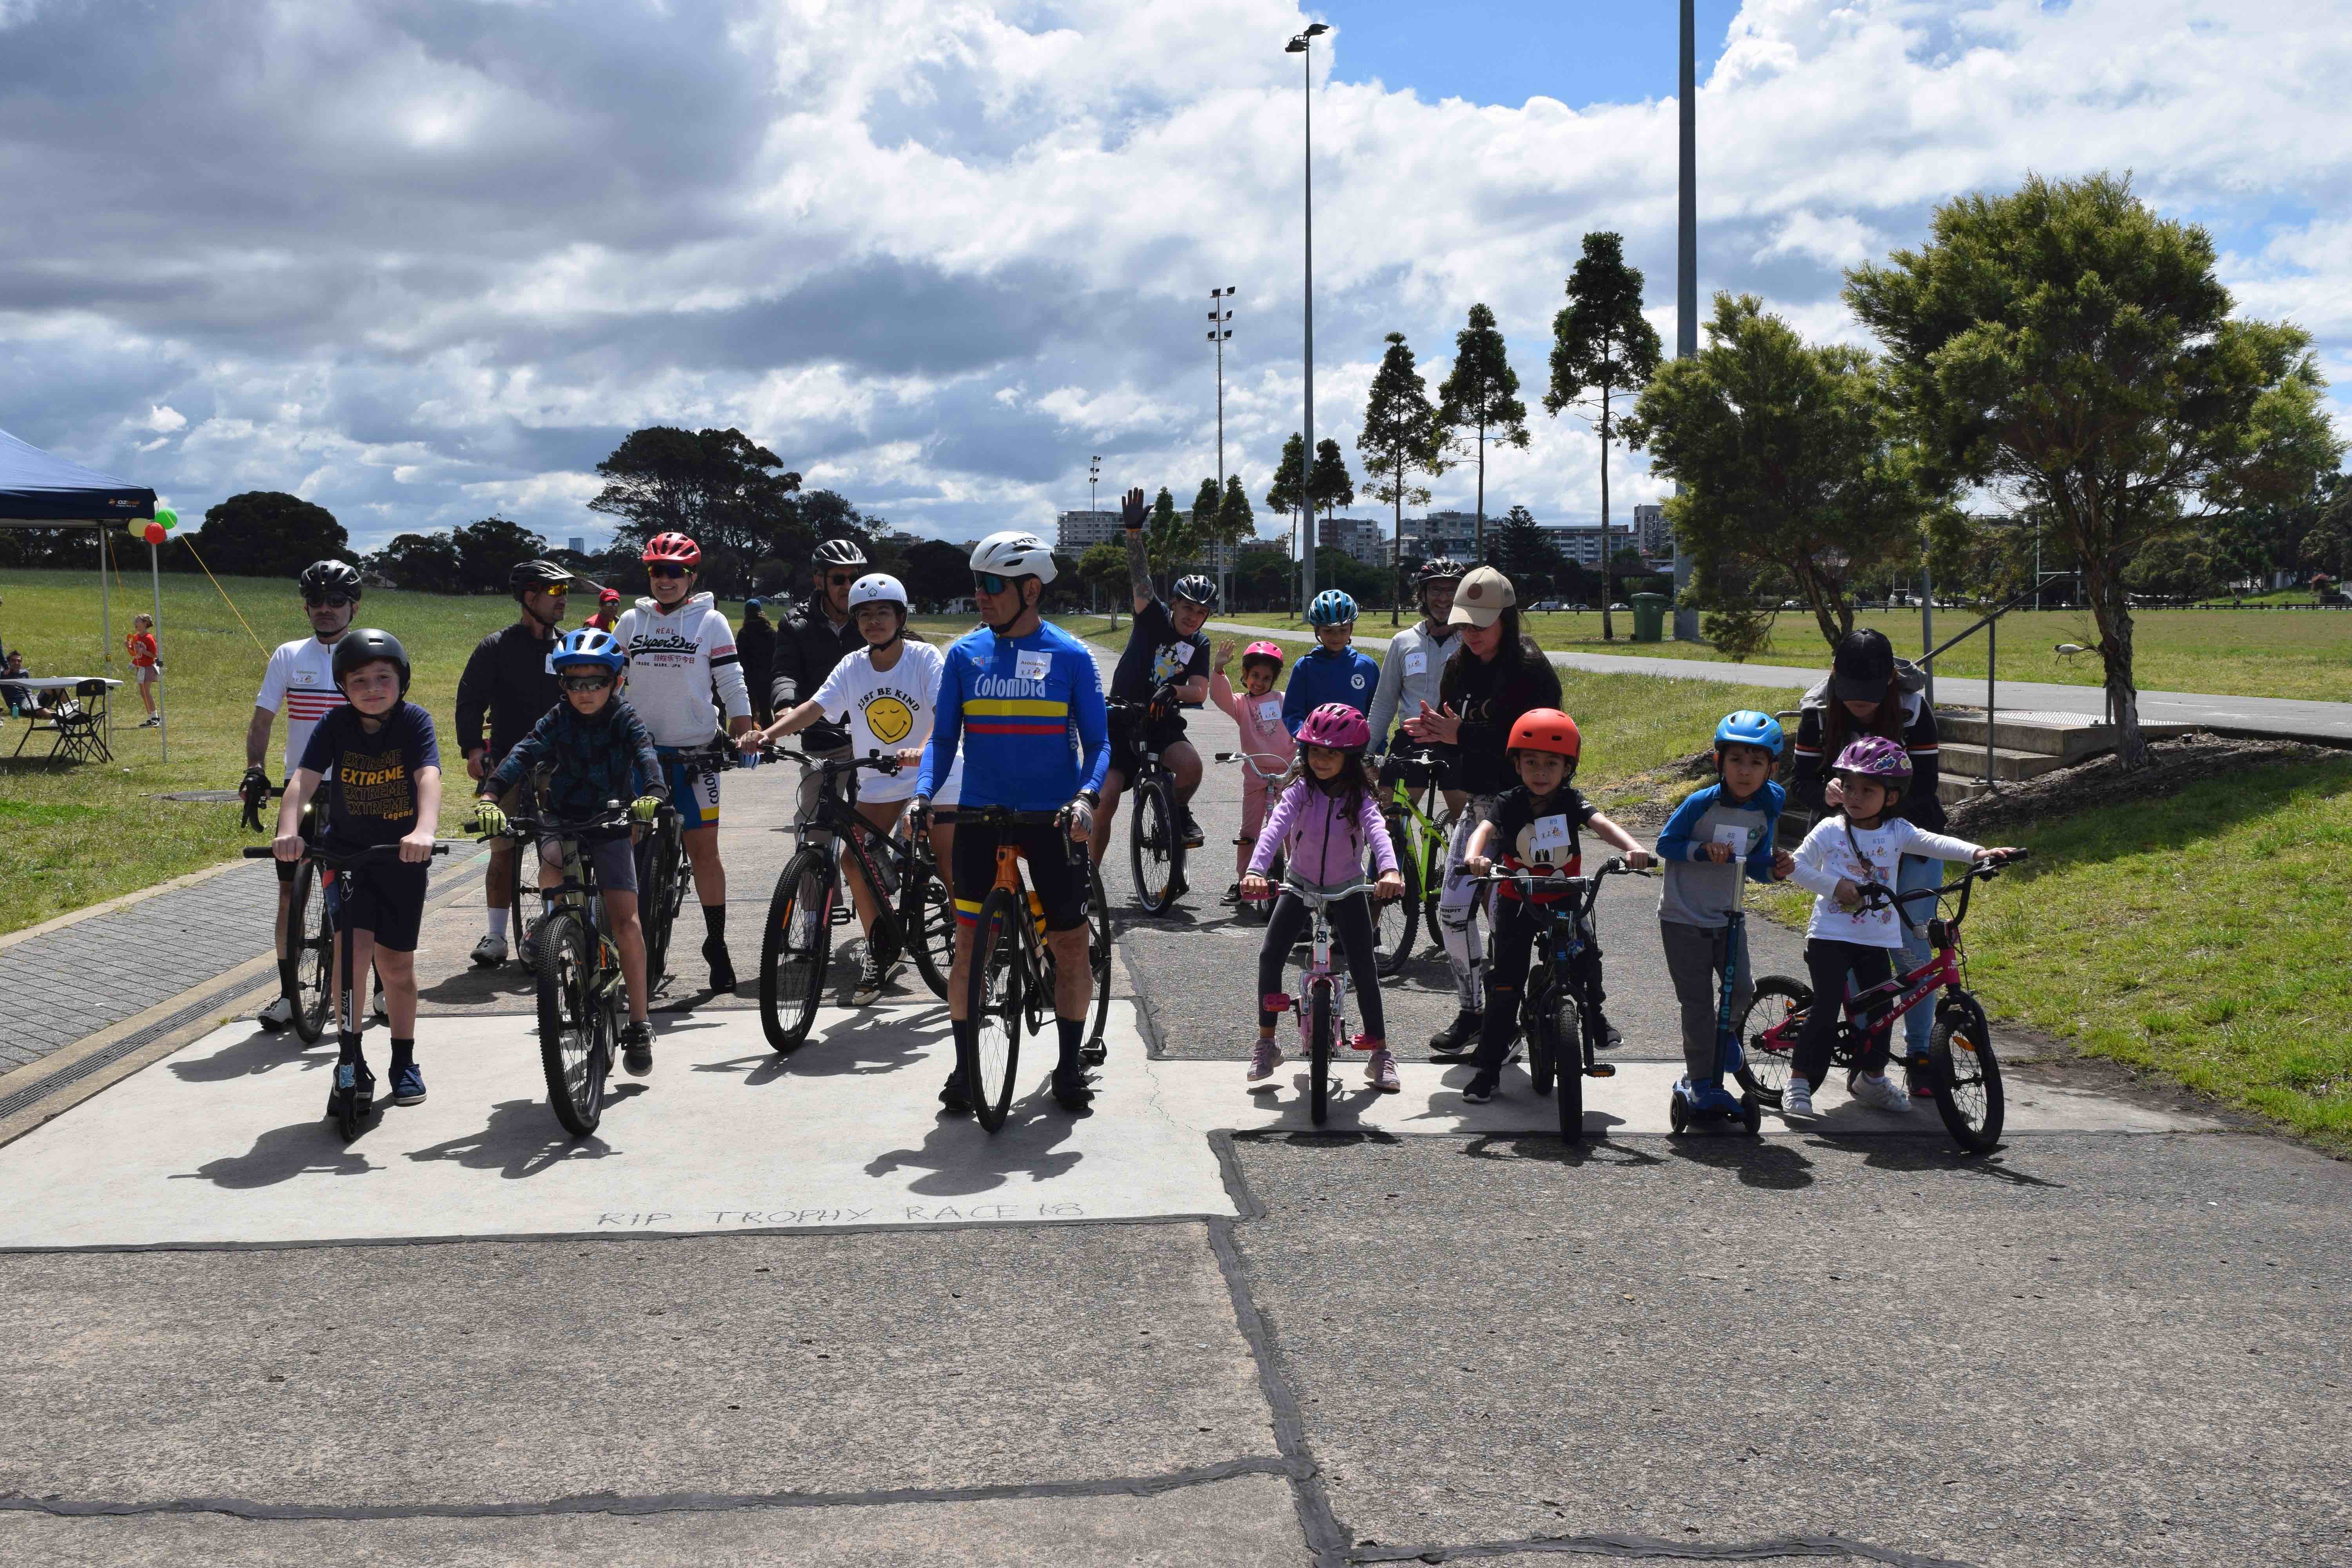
x,y
1855,845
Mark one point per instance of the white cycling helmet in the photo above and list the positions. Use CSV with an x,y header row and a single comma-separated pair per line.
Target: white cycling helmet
x,y
1013,553
878,588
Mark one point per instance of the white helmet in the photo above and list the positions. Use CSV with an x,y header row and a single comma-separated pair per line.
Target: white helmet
x,y
1013,553
878,588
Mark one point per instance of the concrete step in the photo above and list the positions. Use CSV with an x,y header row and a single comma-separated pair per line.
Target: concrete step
x,y
2069,737
2009,764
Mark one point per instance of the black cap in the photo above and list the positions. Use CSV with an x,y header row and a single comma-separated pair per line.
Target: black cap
x,y
1863,667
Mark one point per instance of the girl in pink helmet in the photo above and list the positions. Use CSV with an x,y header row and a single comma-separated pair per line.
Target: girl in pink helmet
x,y
1326,818
1257,712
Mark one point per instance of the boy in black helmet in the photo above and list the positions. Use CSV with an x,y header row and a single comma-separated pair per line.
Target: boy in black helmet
x,y
380,765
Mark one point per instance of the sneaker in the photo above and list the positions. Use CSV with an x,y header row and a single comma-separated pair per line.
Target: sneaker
x,y
1073,1090
1881,1093
870,977
377,1012
1797,1101
1193,836
722,968
954,1098
1265,1057
1481,1087
1919,1073
491,950
278,1014
527,950
1458,1038
407,1084
355,1079
637,1049
1380,1072
1610,1038
1233,893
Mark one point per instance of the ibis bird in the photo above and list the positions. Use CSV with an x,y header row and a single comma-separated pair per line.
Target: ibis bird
x,y
2069,651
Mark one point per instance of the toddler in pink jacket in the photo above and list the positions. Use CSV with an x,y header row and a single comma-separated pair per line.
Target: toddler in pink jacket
x,y
1257,712
1324,822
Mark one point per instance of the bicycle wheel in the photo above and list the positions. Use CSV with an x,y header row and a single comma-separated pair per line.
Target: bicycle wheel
x,y
1558,1021
994,1002
1543,1050
796,947
1318,1050
1764,1070
1967,1075
653,900
1155,846
927,915
1432,876
1099,954
1397,921
310,963
569,1021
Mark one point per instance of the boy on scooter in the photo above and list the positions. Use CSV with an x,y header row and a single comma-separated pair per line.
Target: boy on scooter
x,y
1719,835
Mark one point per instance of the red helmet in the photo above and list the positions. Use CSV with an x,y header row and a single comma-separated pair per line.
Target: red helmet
x,y
1546,729
675,548
1261,650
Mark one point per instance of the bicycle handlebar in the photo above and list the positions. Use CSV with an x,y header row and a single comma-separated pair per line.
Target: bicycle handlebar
x,y
880,761
1879,896
341,859
1528,881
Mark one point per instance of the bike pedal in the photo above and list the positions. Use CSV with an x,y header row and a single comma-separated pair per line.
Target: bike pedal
x,y
1601,1069
1093,1053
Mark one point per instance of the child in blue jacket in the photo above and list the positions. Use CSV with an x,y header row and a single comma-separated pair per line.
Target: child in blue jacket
x,y
1333,671
1719,835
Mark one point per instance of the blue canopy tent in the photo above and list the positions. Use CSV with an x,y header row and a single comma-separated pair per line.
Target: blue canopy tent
x,y
40,490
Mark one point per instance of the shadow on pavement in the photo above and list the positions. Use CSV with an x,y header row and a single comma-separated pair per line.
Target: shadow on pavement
x,y
257,1053
1551,1146
1755,1161
312,1147
522,1137
965,1159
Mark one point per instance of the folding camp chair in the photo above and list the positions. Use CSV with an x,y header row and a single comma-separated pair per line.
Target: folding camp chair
x,y
81,726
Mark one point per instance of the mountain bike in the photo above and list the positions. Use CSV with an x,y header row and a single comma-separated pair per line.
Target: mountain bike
x,y
797,946
1420,825
1964,1075
583,998
348,1103
1009,986
1155,827
1322,1000
1560,1014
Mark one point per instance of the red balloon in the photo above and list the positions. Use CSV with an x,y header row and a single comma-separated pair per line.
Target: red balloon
x,y
153,533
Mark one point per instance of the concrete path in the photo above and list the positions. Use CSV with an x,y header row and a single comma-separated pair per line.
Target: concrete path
x,y
2265,716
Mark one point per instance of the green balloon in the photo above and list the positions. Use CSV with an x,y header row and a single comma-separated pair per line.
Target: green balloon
x,y
167,517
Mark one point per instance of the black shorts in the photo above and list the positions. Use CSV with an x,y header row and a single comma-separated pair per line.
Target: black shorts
x,y
1055,871
308,830
385,900
615,860
1127,727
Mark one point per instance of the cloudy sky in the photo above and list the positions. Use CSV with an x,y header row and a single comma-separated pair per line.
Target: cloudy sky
x,y
422,260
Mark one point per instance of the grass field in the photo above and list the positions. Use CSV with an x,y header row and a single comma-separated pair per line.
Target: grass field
x,y
71,835
2207,936
2237,653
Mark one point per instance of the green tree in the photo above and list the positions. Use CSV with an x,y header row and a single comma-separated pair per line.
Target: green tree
x,y
1168,542
1402,437
2065,346
720,488
1288,493
1483,392
1203,526
937,574
488,550
1524,552
2181,565
269,533
423,562
1790,460
1330,486
1601,345
1103,570
1235,521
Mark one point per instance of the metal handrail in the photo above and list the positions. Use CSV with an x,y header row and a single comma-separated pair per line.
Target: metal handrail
x,y
1986,624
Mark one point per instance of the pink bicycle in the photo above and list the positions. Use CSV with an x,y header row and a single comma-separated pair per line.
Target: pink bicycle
x,y
1965,1075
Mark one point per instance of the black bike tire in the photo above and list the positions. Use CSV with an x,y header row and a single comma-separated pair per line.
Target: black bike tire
x,y
653,903
1099,949
788,1004
1961,1016
995,981
1151,804
1543,1047
1567,1053
1395,923
1765,1074
1432,885
926,918
567,1011
309,1020
1318,1050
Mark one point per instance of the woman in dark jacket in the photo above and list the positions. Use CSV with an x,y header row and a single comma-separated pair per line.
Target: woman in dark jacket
x,y
1495,674
1871,692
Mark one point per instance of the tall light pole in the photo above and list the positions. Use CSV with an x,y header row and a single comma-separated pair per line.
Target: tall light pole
x,y
1685,278
1299,46
1094,515
1220,333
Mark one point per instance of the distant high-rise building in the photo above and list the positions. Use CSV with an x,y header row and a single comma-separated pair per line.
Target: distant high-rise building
x,y
579,545
1360,537
1652,537
1079,532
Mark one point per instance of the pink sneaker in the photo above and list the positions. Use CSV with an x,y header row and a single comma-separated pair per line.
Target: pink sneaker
x,y
1380,1072
1265,1057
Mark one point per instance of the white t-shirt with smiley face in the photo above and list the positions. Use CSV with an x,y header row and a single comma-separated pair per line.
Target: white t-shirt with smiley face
x,y
885,710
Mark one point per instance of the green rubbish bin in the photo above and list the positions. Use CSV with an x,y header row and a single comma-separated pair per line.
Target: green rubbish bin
x,y
1650,616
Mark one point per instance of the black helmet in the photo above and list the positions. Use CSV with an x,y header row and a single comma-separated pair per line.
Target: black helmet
x,y
1198,589
531,574
1437,569
365,645
322,578
839,553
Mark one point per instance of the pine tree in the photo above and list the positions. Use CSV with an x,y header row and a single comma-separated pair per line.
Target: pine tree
x,y
1601,345
1483,392
1400,437
1288,493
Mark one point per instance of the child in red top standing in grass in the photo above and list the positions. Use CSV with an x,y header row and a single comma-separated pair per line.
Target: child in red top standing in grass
x,y
144,670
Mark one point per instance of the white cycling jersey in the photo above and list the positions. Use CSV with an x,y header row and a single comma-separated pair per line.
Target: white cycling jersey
x,y
675,659
1410,673
299,679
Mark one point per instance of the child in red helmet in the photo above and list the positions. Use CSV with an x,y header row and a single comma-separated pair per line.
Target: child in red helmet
x,y
1534,828
1265,739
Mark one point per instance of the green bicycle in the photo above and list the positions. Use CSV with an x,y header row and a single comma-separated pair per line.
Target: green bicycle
x,y
1420,825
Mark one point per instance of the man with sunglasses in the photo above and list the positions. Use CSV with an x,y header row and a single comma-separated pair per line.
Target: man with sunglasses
x,y
299,678
811,642
509,676
679,649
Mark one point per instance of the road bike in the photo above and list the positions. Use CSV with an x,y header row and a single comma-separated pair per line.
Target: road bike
x,y
583,998
1963,1073
1560,1008
1009,986
1320,1002
1155,825
797,948
1420,826
1688,1111
1396,921
348,1103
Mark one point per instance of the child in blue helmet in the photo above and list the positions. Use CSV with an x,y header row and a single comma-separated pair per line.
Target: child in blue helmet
x,y
1720,834
1333,671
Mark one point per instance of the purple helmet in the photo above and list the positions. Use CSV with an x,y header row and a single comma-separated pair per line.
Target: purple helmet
x,y
1877,757
1336,726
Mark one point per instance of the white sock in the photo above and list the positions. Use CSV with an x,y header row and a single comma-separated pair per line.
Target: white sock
x,y
498,923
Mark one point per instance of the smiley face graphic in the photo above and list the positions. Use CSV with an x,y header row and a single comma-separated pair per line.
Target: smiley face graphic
x,y
890,718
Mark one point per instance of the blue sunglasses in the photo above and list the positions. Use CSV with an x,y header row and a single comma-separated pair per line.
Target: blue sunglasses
x,y
991,583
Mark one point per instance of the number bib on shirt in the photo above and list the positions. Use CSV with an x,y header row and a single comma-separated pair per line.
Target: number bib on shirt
x,y
1031,665
1547,840
1269,710
1416,662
